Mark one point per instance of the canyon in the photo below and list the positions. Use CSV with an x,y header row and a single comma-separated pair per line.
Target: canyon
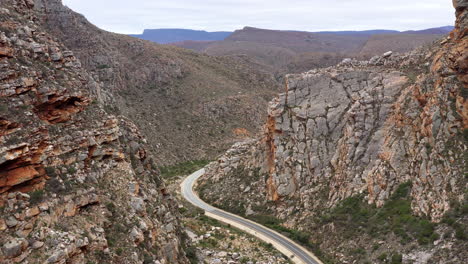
x,y
363,161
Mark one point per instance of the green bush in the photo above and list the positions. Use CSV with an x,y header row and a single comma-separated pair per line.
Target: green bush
x,y
209,243
396,259
36,196
50,171
191,254
382,257
395,216
184,168
71,170
244,260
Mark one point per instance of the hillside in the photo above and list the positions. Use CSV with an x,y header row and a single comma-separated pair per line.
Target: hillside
x,y
363,162
402,43
164,36
189,106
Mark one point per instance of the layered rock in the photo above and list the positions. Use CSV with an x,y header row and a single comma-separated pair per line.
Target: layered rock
x,y
360,128
77,184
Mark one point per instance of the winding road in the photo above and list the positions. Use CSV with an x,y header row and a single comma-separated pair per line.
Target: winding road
x,y
295,252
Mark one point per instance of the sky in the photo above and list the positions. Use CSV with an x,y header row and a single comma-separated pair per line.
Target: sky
x,y
132,16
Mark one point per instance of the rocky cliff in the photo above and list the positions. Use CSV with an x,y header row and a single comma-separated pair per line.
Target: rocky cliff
x,y
77,184
188,105
361,153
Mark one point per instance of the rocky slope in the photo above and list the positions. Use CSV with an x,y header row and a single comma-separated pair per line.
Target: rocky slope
x,y
189,106
77,185
363,156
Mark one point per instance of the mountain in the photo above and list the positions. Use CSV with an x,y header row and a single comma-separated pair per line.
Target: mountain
x,y
363,32
77,184
165,36
284,52
362,162
403,42
189,106
440,30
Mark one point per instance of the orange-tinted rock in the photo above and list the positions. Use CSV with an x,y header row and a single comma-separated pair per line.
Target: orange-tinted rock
x,y
60,110
7,127
241,132
6,52
31,212
3,225
17,176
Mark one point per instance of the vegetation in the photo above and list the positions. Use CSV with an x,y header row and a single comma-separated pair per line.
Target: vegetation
x,y
296,235
103,66
454,218
191,254
36,196
183,168
394,217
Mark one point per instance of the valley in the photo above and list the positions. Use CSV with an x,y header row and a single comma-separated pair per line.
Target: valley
x,y
252,146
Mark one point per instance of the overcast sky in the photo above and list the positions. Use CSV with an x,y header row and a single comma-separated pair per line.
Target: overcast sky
x,y
132,16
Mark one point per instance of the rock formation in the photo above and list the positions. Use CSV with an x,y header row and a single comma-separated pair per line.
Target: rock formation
x,y
362,128
77,185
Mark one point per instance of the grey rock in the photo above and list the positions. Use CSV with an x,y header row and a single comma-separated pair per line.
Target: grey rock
x,y
37,244
14,248
11,222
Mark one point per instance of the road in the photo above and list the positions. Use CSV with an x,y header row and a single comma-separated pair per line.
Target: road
x,y
295,252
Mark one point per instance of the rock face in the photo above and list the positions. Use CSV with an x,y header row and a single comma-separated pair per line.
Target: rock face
x,y
76,183
360,128
188,105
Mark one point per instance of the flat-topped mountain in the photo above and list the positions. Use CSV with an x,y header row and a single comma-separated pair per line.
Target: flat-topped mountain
x,y
286,51
164,36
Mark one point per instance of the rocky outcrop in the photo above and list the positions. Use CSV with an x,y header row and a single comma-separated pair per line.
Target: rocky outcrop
x,y
76,183
362,128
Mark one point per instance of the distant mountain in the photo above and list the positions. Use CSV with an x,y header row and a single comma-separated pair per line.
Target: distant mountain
x,y
283,51
439,30
362,33
288,51
164,36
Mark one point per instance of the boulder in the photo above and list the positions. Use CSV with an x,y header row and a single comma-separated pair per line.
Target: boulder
x,y
14,247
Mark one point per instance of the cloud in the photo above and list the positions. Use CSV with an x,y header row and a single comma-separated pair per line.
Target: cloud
x,y
125,16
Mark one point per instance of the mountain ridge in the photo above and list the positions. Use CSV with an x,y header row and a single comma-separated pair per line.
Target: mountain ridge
x,y
174,35
165,36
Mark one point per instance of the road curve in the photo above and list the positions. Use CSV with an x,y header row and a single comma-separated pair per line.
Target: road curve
x,y
295,252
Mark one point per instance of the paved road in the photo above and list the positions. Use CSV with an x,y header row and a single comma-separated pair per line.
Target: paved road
x,y
300,255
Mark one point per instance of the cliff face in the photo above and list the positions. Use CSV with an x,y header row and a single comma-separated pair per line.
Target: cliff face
x,y
77,185
188,105
360,129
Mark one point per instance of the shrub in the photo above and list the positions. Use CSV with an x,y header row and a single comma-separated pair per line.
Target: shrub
x,y
382,257
103,66
244,260
36,196
395,216
71,170
183,168
396,259
50,171
191,254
